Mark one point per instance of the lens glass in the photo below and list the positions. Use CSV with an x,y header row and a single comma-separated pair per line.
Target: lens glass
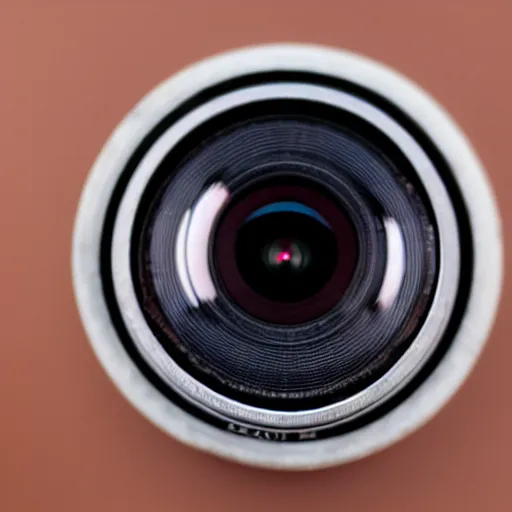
x,y
286,251
279,257
284,254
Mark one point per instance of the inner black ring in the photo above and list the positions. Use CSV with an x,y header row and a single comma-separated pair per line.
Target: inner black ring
x,y
265,77
240,267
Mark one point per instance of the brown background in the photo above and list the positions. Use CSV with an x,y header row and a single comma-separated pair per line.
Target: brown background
x,y
69,72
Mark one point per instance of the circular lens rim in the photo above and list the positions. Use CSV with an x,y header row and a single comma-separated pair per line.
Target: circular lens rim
x,y
470,178
347,409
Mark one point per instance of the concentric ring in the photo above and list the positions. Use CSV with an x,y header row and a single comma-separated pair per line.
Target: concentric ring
x,y
426,340
463,171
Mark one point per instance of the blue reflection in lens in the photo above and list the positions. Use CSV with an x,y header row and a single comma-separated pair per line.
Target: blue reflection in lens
x,y
288,207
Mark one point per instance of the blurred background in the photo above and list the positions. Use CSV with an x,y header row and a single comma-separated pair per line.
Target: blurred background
x,y
69,73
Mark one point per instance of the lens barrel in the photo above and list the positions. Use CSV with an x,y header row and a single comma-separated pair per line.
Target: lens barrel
x,y
280,278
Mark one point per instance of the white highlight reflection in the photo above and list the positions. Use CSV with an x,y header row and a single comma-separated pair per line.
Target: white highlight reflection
x,y
192,245
395,265
181,259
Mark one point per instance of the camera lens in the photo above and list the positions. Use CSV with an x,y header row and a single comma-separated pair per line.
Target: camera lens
x,y
277,255
296,334
269,247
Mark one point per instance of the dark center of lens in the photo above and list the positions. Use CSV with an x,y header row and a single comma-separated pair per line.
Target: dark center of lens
x,y
286,251
286,256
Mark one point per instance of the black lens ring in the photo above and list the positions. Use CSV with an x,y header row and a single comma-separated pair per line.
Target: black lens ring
x,y
412,128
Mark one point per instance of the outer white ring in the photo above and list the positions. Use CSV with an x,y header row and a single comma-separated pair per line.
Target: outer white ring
x,y
437,388
409,364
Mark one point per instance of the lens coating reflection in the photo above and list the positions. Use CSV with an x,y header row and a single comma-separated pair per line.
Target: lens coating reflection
x,y
289,207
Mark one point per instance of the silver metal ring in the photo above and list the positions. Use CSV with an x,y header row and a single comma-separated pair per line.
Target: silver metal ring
x,y
408,365
473,330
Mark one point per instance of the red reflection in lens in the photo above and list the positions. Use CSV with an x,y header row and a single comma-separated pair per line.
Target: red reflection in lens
x,y
283,256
